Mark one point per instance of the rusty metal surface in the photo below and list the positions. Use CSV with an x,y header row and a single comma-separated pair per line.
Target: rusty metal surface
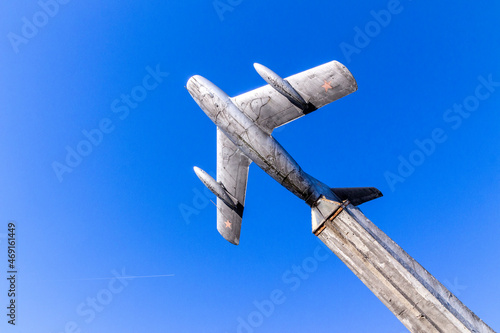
x,y
325,210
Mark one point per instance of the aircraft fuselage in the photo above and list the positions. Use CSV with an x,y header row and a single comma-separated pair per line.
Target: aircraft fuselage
x,y
260,147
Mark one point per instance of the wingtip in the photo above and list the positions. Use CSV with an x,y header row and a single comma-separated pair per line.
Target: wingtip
x,y
229,236
234,241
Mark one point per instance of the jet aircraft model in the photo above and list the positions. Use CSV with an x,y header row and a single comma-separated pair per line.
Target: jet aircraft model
x,y
244,126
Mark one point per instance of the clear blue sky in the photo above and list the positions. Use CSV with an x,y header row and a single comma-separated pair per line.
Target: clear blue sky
x,y
67,70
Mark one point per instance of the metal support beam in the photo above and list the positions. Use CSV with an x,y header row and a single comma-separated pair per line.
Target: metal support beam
x,y
415,297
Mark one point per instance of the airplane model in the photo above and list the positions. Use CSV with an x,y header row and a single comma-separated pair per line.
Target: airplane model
x,y
244,126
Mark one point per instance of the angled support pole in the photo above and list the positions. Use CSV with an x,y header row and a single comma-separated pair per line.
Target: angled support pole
x,y
413,295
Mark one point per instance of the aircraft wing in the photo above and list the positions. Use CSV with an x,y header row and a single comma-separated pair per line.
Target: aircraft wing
x,y
232,171
318,86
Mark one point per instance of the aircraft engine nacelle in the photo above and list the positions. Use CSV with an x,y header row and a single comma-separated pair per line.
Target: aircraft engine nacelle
x,y
282,86
214,186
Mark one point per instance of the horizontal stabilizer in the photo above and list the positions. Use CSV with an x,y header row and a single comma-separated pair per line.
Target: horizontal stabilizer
x,y
357,195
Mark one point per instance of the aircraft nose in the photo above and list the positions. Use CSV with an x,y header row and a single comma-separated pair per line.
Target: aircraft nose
x,y
193,85
198,86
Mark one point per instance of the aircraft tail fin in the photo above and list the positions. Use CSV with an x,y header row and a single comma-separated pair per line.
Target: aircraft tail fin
x,y
327,208
357,195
